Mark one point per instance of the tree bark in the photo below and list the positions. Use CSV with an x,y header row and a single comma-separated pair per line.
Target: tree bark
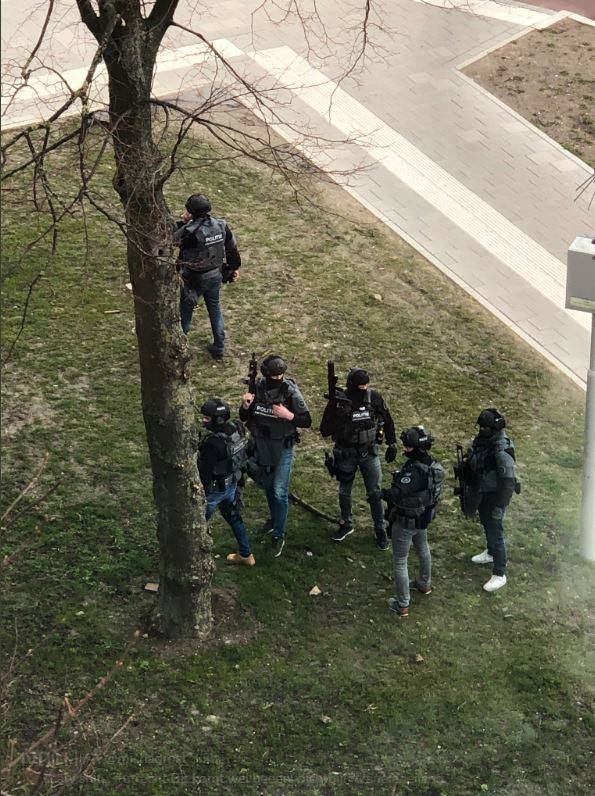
x,y
186,562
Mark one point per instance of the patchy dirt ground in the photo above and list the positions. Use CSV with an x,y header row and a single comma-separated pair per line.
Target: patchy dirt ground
x,y
548,76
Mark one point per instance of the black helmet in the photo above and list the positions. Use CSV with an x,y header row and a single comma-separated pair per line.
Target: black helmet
x,y
273,365
417,437
217,410
198,205
357,377
491,418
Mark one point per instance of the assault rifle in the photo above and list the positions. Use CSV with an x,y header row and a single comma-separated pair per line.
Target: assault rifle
x,y
332,379
466,490
252,372
334,396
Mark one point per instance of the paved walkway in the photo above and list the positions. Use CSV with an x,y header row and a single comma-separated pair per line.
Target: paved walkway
x,y
484,195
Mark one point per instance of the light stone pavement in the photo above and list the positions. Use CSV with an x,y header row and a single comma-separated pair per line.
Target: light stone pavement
x,y
484,195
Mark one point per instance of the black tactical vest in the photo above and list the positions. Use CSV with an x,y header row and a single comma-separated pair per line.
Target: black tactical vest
x,y
359,430
234,464
204,244
484,456
264,424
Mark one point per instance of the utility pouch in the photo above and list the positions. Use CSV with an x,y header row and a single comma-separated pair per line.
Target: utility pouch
x,y
344,464
329,463
254,470
517,487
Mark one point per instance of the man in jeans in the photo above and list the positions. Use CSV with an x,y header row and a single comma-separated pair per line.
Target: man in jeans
x,y
274,413
491,458
221,465
353,418
412,499
205,243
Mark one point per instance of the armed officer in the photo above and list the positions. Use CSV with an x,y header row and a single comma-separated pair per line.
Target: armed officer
x,y
274,413
412,498
491,459
221,465
356,418
208,256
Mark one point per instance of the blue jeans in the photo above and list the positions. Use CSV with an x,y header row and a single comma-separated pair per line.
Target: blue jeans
x,y
276,486
209,287
402,539
492,519
226,502
348,463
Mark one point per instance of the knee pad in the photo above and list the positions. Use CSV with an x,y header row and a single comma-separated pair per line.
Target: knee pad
x,y
497,513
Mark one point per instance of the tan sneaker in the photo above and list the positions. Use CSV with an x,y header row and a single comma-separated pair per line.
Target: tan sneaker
x,y
236,558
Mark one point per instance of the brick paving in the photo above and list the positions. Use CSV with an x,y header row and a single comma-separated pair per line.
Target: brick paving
x,y
482,177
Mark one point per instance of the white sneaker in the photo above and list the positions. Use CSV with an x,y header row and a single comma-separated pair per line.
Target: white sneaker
x,y
483,558
495,582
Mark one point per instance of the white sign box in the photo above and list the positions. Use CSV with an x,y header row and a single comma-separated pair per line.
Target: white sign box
x,y
580,275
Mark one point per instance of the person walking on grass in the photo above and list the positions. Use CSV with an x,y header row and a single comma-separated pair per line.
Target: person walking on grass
x,y
208,257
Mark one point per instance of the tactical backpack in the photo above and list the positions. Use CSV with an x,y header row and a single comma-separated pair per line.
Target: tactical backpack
x,y
231,469
410,508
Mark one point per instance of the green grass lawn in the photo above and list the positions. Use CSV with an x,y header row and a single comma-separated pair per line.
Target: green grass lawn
x,y
500,703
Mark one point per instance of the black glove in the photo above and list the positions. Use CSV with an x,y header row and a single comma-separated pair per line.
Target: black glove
x,y
391,453
229,274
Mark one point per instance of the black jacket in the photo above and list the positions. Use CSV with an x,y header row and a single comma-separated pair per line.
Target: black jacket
x,y
334,419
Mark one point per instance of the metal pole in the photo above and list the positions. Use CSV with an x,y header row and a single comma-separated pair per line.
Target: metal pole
x,y
588,509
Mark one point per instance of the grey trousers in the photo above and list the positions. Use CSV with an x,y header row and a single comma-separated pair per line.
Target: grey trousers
x,y
402,538
369,467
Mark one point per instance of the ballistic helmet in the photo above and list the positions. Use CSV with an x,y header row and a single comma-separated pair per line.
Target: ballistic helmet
x,y
491,418
273,365
217,410
417,437
357,377
198,205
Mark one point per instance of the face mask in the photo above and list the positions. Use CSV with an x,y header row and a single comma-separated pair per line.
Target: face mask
x,y
272,384
355,393
485,432
410,454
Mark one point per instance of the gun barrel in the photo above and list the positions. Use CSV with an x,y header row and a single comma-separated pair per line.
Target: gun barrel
x,y
331,380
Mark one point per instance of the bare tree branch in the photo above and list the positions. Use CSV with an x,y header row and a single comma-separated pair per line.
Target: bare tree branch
x,y
27,489
68,712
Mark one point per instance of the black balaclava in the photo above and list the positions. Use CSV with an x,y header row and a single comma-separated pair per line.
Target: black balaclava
x,y
356,378
272,384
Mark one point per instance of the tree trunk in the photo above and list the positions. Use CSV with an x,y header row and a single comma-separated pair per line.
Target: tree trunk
x,y
186,562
